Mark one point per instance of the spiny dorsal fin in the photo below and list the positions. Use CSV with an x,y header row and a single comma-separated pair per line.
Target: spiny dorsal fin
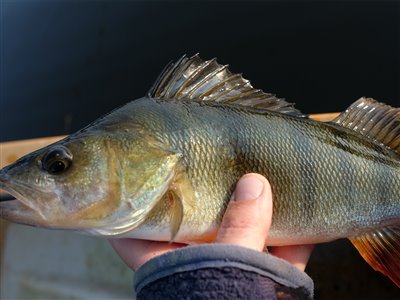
x,y
381,249
196,79
375,120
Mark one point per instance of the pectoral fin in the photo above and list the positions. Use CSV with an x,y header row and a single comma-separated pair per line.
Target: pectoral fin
x,y
381,249
182,202
176,214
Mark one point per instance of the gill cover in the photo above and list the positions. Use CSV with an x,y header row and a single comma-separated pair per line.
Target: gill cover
x,y
141,179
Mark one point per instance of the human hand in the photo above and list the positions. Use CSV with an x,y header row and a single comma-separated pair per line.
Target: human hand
x,y
246,223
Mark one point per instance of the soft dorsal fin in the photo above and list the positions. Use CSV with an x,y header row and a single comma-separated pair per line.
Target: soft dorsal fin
x,y
195,79
373,119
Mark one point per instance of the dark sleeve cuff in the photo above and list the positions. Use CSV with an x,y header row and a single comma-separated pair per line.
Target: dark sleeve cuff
x,y
221,262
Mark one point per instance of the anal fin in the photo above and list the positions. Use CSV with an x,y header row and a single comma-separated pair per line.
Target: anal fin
x,y
381,249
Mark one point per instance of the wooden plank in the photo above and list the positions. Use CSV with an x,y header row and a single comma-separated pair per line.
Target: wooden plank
x,y
11,151
326,117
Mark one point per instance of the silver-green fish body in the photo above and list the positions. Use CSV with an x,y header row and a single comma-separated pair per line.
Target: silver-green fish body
x,y
163,167
328,182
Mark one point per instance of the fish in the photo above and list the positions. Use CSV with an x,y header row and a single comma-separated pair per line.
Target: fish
x,y
163,168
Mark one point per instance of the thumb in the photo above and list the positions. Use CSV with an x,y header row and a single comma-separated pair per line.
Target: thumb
x,y
248,216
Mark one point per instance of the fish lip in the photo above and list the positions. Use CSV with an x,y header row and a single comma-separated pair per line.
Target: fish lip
x,y
7,186
4,195
16,203
11,190
16,211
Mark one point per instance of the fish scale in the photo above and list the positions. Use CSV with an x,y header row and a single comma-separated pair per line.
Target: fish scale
x,y
285,161
163,168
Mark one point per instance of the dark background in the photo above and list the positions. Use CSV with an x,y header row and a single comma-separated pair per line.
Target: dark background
x,y
65,63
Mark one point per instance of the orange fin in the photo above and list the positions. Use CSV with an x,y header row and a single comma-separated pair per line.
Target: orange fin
x,y
381,249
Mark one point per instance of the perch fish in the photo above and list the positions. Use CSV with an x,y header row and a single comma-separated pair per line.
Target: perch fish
x,y
163,168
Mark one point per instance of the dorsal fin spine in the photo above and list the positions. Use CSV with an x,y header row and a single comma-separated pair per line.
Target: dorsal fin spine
x,y
222,95
169,75
219,85
196,87
260,104
199,80
191,94
257,97
160,80
243,95
193,76
184,65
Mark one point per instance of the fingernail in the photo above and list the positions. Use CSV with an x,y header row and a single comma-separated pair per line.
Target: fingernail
x,y
248,188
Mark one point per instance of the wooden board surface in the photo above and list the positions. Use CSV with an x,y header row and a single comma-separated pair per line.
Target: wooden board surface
x,y
11,151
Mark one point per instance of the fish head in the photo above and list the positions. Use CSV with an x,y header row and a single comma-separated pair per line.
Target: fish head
x,y
100,184
53,184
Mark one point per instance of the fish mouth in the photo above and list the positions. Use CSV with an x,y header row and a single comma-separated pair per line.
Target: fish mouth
x,y
15,211
9,190
14,206
4,196
21,203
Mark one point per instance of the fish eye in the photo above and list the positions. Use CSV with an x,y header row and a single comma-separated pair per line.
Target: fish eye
x,y
57,160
